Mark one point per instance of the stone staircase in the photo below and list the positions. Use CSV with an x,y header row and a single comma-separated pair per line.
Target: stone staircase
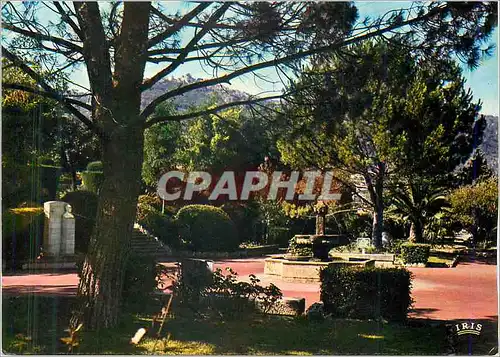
x,y
145,245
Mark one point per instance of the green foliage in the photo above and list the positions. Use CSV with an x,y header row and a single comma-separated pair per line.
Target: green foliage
x,y
149,200
355,225
22,234
207,228
95,166
246,217
221,294
393,111
92,180
422,203
412,253
301,250
84,208
142,276
279,235
368,293
161,226
395,247
475,208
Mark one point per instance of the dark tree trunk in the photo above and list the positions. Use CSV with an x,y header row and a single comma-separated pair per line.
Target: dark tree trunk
x,y
116,104
101,282
378,226
376,190
416,232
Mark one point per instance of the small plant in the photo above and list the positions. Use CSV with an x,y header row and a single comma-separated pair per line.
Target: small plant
x,y
299,249
222,295
73,339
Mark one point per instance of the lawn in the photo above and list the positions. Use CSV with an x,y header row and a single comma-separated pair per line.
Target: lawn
x,y
36,324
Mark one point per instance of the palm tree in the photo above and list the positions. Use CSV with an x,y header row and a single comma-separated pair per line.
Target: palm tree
x,y
420,202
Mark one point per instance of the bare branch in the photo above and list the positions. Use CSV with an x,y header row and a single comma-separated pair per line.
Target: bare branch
x,y
177,25
41,37
66,18
185,52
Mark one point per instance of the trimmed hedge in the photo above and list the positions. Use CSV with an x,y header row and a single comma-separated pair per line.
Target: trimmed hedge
x,y
207,228
84,208
93,177
22,234
412,253
366,293
95,166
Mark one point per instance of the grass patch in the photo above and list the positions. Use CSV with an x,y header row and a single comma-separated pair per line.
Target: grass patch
x,y
438,261
36,324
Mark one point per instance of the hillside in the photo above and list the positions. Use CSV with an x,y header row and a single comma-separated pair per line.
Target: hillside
x,y
490,141
222,94
197,97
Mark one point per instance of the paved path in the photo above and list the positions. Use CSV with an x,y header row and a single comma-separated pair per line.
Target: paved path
x,y
468,291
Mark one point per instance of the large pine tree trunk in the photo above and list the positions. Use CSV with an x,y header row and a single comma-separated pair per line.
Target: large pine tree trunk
x,y
116,104
101,282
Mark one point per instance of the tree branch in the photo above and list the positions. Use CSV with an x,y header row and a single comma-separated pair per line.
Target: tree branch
x,y
95,48
177,25
188,48
41,82
46,94
299,55
41,37
186,116
66,18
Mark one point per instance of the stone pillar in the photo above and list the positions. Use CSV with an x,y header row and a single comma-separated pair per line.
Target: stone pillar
x,y
54,211
68,232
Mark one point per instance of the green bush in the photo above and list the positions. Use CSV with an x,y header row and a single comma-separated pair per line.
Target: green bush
x,y
279,235
92,180
366,293
246,219
95,166
93,177
207,228
302,250
221,295
159,225
395,247
149,200
415,253
22,234
142,276
49,180
84,208
21,183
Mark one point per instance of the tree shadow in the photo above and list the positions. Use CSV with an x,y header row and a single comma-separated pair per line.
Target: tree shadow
x,y
466,344
416,313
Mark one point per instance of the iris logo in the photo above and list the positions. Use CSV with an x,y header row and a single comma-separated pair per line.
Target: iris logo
x,y
468,328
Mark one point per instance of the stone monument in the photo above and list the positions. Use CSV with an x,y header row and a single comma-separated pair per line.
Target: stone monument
x,y
58,239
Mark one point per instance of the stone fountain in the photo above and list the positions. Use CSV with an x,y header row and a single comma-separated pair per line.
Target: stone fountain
x,y
308,254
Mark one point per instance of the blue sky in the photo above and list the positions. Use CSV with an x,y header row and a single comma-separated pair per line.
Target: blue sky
x,y
483,81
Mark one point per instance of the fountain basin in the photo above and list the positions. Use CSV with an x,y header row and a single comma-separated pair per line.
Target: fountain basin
x,y
304,271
